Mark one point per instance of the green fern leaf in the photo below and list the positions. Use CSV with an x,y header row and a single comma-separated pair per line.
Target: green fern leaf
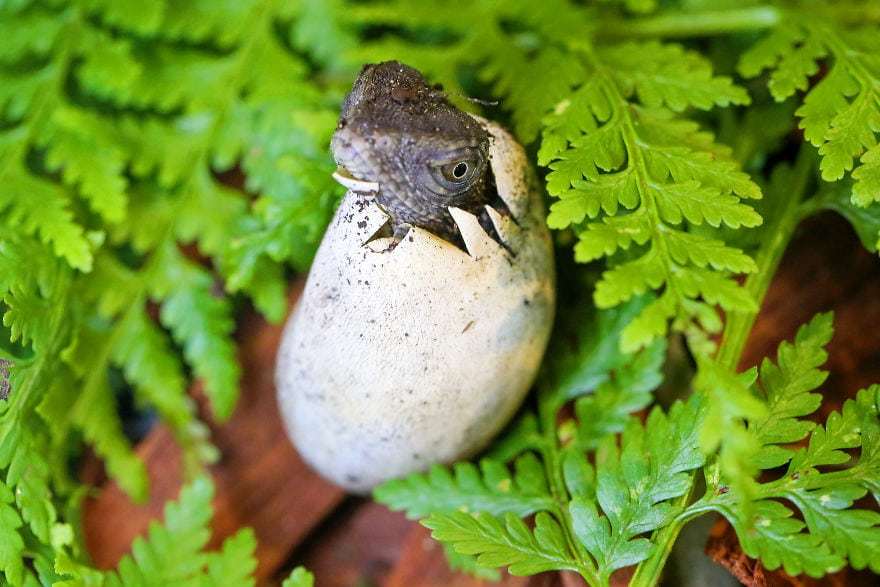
x,y
668,75
21,451
171,553
841,114
201,322
468,564
318,26
299,577
635,483
207,21
37,206
31,34
509,543
867,186
142,18
148,363
234,564
83,148
776,538
607,410
787,387
649,176
11,543
489,488
95,413
833,533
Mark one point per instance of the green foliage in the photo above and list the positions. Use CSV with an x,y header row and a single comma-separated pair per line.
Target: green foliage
x,y
841,114
642,175
653,458
833,532
299,578
603,513
121,243
172,553
161,161
509,543
490,488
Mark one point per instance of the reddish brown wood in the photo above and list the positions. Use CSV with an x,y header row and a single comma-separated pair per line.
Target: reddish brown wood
x,y
361,545
826,268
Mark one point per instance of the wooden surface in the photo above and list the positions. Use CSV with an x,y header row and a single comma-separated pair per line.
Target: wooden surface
x,y
300,519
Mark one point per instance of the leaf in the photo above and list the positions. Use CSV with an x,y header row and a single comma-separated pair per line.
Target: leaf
x,y
468,564
840,115
834,532
171,551
635,483
585,353
776,539
83,148
607,410
11,544
509,543
787,388
39,207
201,322
668,75
620,157
851,533
489,488
300,577
865,221
235,563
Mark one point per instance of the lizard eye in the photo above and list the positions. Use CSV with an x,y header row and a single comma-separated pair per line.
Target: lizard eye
x,y
456,176
458,171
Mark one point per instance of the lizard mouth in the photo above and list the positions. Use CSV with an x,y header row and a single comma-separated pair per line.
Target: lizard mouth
x,y
355,184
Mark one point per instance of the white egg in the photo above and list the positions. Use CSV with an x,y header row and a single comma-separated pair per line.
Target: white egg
x,y
398,359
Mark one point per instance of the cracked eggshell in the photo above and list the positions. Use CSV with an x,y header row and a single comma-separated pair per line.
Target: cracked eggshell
x,y
398,359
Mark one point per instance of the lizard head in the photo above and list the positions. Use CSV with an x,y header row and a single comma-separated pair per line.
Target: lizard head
x,y
400,137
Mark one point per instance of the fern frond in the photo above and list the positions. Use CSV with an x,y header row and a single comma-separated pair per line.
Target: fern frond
x,y
642,177
634,485
11,543
234,564
507,543
84,149
36,206
787,387
840,115
834,532
172,551
491,489
201,322
299,577
95,412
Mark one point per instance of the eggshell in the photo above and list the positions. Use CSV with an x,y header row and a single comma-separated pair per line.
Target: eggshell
x,y
398,359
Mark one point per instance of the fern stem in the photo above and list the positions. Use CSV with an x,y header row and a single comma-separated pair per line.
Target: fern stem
x,y
550,453
695,24
736,332
739,324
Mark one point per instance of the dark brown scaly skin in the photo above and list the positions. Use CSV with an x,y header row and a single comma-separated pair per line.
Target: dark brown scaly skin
x,y
425,154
